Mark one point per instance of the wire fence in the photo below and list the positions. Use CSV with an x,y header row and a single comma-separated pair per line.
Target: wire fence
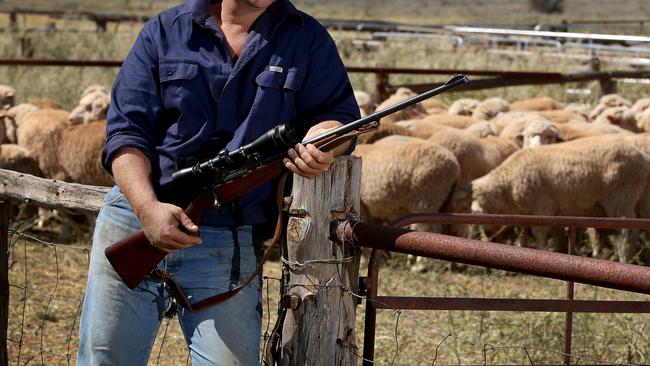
x,y
47,281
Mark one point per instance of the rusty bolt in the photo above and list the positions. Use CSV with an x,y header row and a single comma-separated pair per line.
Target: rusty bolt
x,y
291,301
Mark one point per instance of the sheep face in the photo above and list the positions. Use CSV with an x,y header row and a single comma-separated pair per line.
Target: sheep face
x,y
546,137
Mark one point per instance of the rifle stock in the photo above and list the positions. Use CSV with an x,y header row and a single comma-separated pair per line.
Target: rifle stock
x,y
133,257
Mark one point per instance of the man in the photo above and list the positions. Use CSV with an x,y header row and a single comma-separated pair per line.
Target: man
x,y
200,77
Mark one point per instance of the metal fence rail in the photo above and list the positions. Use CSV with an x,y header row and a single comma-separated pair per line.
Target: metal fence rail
x,y
540,263
383,87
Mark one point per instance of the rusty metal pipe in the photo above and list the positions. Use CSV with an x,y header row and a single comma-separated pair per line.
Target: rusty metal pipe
x,y
524,220
559,266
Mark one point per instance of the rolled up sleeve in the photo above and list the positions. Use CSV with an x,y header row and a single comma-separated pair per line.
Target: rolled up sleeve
x,y
135,102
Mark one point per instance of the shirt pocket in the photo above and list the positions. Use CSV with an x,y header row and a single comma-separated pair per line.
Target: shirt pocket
x,y
177,70
272,78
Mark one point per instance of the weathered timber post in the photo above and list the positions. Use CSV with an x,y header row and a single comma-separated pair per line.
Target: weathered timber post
x,y
4,281
607,86
319,328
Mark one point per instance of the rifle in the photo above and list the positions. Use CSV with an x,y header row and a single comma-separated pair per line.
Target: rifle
x,y
232,173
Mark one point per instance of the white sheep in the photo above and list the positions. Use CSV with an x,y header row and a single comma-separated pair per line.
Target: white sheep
x,y
402,175
490,108
643,120
92,106
641,105
540,132
10,118
414,111
463,107
364,100
72,153
597,173
36,125
608,101
476,157
535,104
623,117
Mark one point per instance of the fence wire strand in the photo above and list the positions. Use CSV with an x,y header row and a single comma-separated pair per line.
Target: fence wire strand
x,y
20,244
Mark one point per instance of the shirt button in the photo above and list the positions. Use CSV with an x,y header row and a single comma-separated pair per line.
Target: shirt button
x,y
170,72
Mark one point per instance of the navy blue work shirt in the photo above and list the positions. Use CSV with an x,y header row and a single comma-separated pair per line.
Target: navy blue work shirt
x,y
180,96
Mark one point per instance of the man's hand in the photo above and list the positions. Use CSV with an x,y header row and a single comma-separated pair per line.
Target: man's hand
x,y
162,223
308,161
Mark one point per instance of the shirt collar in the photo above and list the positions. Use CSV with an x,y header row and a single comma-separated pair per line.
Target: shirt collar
x,y
277,11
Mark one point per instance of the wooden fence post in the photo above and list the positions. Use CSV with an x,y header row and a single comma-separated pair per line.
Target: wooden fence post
x,y
607,86
319,328
4,281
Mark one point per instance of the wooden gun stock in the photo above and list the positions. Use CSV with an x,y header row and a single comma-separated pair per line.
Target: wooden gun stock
x,y
133,257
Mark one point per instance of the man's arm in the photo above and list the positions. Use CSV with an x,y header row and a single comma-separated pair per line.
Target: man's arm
x,y
160,221
308,161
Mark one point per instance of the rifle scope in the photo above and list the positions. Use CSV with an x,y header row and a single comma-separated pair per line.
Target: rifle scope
x,y
281,137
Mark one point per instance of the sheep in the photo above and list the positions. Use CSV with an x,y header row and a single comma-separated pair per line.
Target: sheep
x,y
535,104
17,158
7,97
434,106
92,107
36,125
596,173
455,121
608,101
9,119
401,95
481,129
402,176
463,107
540,133
623,117
94,89
385,129
563,116
577,130
515,129
366,106
506,119
490,108
43,103
475,156
643,120
73,154
424,129
579,108
641,105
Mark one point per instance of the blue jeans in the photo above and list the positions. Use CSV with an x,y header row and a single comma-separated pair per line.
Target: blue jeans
x,y
118,325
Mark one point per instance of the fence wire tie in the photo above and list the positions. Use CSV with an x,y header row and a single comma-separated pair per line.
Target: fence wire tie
x,y
525,348
296,264
435,357
486,347
397,312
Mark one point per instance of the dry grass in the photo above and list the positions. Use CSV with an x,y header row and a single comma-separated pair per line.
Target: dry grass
x,y
55,276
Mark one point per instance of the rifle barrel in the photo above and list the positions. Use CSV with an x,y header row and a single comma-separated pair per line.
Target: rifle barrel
x,y
455,81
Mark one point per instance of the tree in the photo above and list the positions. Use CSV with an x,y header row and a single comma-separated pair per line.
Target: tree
x,y
547,6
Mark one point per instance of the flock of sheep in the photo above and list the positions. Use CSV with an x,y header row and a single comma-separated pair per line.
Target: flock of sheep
x,y
529,157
